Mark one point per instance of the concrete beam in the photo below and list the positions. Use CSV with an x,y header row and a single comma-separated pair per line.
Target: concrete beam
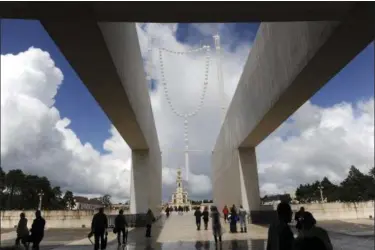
x,y
109,63
107,58
182,12
288,64
145,182
250,198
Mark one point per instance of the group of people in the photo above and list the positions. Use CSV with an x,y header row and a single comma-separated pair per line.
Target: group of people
x,y
280,235
198,217
234,216
310,236
99,226
99,229
215,217
179,209
36,233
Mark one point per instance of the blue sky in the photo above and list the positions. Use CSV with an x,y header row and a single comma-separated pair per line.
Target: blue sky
x,y
354,82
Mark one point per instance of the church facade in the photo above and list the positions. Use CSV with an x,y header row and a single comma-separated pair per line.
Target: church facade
x,y
180,197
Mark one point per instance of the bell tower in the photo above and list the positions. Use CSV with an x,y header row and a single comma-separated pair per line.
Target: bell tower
x,y
179,181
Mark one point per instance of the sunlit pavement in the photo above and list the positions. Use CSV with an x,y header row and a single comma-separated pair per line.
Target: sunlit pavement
x,y
179,232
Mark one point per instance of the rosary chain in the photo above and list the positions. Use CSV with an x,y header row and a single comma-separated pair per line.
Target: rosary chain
x,y
166,91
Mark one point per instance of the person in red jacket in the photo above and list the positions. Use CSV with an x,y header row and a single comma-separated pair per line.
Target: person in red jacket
x,y
225,212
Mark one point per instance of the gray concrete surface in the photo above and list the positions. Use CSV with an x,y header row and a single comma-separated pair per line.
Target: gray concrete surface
x,y
107,58
351,228
184,12
54,238
288,63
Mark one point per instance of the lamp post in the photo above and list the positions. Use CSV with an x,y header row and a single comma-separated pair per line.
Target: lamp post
x,y
40,194
321,193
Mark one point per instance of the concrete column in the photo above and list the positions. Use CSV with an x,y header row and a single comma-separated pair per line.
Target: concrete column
x,y
249,181
140,182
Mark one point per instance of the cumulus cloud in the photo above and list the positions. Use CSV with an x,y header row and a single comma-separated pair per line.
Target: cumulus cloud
x,y
316,142
185,76
36,139
322,142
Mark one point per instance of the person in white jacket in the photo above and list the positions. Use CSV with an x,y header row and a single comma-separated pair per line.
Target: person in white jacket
x,y
242,214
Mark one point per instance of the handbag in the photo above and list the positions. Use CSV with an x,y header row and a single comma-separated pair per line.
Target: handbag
x,y
115,230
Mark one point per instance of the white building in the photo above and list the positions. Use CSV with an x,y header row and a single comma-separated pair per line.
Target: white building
x,y
180,197
83,203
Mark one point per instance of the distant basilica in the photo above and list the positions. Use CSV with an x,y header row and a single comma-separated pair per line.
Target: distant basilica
x,y
180,197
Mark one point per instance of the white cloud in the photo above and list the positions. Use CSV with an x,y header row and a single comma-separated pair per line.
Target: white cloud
x,y
322,141
326,142
36,139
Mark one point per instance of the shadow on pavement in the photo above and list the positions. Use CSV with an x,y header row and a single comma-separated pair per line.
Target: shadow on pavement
x,y
198,245
148,245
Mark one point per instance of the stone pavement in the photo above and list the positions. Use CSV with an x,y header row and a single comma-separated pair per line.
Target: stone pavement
x,y
362,227
179,232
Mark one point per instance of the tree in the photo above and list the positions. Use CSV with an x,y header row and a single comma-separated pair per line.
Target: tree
x,y
372,173
106,200
57,202
354,186
2,180
69,200
14,180
370,183
2,187
305,193
330,190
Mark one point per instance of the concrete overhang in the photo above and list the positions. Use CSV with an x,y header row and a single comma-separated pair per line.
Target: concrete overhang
x,y
287,65
108,60
167,12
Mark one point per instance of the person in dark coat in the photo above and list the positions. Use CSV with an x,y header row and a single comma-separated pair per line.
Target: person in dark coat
x,y
22,231
312,236
280,236
120,227
150,218
37,230
205,215
216,225
167,212
233,219
298,217
198,215
99,226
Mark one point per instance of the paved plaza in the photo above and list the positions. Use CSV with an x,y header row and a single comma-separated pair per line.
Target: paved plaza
x,y
179,232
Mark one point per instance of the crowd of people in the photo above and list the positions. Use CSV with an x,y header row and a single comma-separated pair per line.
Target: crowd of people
x,y
280,235
99,229
179,209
